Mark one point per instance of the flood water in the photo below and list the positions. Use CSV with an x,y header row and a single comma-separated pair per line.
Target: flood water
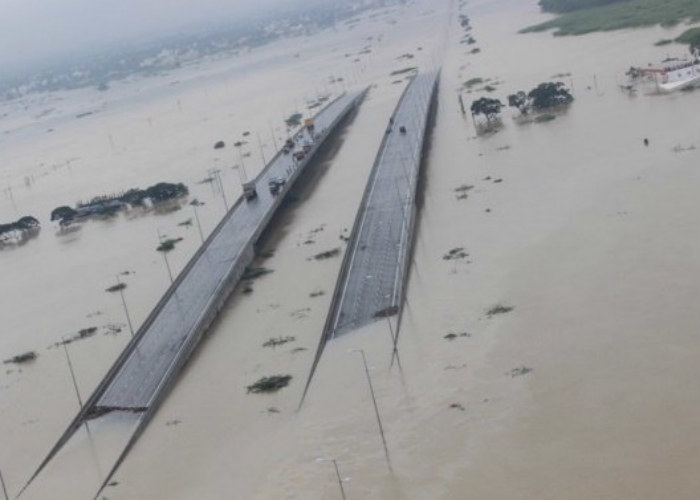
x,y
584,390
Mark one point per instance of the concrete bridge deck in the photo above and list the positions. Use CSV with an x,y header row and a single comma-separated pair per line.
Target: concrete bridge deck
x,y
143,373
372,279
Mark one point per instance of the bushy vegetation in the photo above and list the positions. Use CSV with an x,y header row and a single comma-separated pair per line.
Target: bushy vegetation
x,y
251,273
663,42
498,309
27,357
403,71
116,288
545,96
690,37
26,223
294,120
274,342
270,384
473,82
561,6
486,106
168,244
617,15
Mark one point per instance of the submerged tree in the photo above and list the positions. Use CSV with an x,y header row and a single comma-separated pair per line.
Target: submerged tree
x,y
63,214
549,95
486,106
23,225
545,96
294,120
520,101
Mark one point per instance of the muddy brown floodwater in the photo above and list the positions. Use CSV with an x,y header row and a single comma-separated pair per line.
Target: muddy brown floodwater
x,y
585,389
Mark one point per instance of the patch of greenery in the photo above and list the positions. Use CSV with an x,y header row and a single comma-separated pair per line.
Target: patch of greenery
x,y
116,288
472,82
27,357
547,117
619,15
561,6
168,244
269,384
662,42
690,37
327,254
274,342
463,188
402,71
293,121
455,254
498,309
251,273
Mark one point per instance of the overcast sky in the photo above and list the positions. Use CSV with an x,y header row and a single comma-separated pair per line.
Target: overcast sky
x,y
34,29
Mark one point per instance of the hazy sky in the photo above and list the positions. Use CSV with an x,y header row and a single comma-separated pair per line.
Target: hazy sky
x,y
34,29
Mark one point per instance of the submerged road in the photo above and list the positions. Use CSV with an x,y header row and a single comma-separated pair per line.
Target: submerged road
x,y
146,369
372,279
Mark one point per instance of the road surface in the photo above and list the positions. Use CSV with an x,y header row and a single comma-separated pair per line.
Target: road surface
x,y
146,369
372,281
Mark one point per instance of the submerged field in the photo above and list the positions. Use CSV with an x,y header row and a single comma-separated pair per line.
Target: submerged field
x,y
618,15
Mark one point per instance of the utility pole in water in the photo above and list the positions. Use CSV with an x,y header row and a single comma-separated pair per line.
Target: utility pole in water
x,y
126,310
72,373
4,489
376,408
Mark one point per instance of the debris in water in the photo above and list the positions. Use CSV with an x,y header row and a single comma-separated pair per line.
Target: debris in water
x,y
274,342
498,309
386,312
113,329
26,357
327,254
269,384
463,188
455,254
517,372
300,313
116,288
452,336
252,273
168,244
548,117
453,367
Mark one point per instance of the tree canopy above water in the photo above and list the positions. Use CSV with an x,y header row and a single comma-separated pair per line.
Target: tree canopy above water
x,y
486,106
545,96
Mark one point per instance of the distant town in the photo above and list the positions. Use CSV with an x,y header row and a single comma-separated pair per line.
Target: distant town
x,y
102,68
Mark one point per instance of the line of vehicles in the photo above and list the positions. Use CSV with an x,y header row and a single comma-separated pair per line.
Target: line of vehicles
x,y
298,146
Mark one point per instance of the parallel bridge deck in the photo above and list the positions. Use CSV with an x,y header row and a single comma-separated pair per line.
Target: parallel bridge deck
x,y
371,283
